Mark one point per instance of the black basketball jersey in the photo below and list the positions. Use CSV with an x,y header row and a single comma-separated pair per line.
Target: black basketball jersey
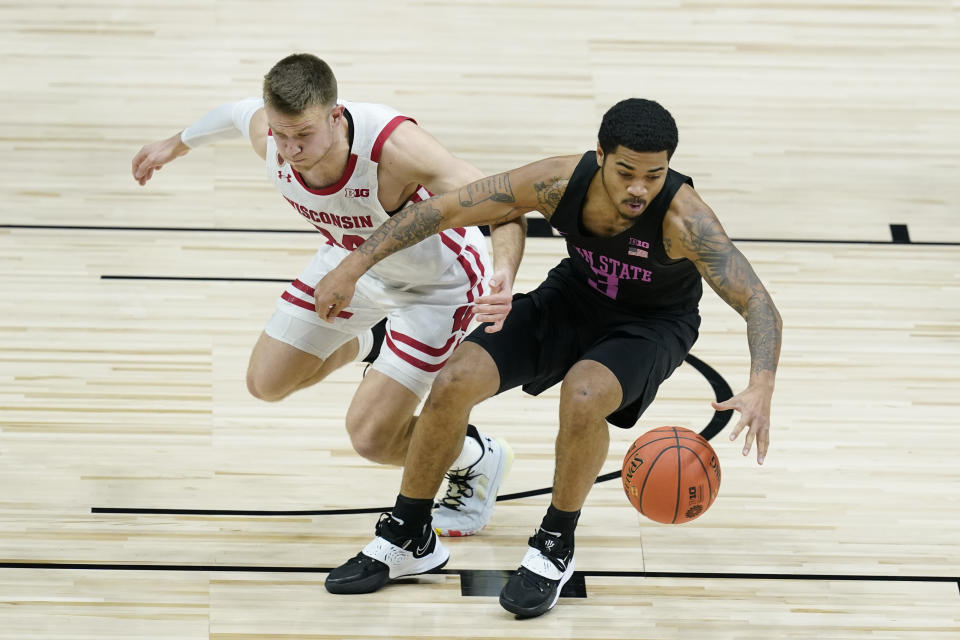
x,y
631,270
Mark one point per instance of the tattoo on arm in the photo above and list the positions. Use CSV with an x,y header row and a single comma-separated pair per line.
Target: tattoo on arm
x,y
496,188
406,228
763,331
731,276
721,264
549,194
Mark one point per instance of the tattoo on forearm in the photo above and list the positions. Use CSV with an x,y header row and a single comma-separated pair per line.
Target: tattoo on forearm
x,y
403,230
763,331
496,188
549,194
732,277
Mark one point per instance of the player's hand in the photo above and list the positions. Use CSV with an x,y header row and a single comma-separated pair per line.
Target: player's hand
x,y
333,293
153,156
495,306
753,403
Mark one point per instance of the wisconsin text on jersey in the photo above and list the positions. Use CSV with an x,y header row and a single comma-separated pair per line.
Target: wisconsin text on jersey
x,y
322,217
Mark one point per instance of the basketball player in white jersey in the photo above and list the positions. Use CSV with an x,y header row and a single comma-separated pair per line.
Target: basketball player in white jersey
x,y
346,167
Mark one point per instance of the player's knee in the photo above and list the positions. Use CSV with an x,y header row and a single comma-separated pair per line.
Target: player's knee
x,y
585,402
264,387
454,385
371,440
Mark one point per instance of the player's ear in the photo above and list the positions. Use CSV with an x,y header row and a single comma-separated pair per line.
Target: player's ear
x,y
336,113
599,155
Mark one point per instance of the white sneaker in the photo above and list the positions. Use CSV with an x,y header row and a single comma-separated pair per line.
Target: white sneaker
x,y
387,557
472,492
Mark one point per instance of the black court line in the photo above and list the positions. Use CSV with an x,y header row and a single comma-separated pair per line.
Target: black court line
x,y
487,582
700,575
535,229
721,391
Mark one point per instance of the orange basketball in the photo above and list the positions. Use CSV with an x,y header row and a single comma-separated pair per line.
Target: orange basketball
x,y
671,475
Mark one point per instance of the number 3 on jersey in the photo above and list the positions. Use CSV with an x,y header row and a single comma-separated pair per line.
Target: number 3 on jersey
x,y
607,284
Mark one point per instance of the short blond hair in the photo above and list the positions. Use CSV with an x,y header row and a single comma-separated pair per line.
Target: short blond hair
x,y
298,82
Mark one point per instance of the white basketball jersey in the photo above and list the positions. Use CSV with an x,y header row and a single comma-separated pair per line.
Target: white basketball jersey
x,y
346,213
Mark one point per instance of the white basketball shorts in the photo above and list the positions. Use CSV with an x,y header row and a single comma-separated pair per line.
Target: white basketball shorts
x,y
425,322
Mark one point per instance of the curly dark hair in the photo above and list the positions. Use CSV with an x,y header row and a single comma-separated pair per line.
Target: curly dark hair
x,y
298,82
639,125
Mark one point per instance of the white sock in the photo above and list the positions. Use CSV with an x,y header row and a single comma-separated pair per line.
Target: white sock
x,y
469,455
365,342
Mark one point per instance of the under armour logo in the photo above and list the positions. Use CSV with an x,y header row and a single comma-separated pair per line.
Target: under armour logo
x,y
280,176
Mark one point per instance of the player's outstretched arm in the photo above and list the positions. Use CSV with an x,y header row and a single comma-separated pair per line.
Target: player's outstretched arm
x,y
692,231
491,200
244,118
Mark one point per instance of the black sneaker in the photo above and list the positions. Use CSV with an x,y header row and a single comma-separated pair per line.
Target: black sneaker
x,y
387,557
535,587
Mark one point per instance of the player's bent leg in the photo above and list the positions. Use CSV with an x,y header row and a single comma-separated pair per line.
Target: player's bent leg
x,y
436,441
380,418
277,369
589,393
475,475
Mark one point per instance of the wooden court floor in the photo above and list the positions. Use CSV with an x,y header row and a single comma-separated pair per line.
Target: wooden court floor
x,y
145,494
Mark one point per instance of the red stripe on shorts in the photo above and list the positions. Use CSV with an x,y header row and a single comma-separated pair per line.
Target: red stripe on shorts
x,y
303,287
406,357
419,346
471,274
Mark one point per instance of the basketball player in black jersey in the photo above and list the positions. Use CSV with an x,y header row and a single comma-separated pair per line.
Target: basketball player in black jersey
x,y
611,322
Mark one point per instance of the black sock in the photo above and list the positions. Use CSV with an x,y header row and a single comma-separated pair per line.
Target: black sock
x,y
561,522
413,514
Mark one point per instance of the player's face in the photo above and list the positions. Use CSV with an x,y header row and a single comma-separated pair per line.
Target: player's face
x,y
632,178
305,139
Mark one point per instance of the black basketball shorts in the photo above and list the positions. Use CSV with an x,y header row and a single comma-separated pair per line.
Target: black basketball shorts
x,y
553,327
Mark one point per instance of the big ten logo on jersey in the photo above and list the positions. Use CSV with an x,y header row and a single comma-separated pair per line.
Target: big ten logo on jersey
x,y
356,193
638,248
